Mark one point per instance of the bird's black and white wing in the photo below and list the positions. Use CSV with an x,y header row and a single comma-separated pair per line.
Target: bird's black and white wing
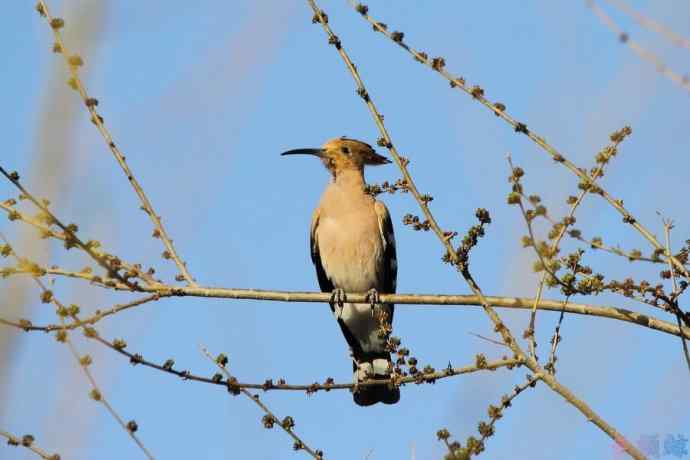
x,y
389,268
325,283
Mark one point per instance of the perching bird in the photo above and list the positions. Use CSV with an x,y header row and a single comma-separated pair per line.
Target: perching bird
x,y
353,250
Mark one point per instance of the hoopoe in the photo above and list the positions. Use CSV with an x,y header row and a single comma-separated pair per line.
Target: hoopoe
x,y
353,250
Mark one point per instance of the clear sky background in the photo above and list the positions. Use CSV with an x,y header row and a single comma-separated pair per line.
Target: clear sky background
x,y
202,97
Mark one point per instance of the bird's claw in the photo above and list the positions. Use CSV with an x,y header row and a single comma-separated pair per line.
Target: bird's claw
x,y
374,299
337,300
338,296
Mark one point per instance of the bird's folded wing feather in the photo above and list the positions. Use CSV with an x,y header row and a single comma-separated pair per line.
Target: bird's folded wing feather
x,y
324,282
390,261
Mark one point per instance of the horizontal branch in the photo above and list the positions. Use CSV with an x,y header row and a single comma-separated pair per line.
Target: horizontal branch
x,y
519,303
523,303
425,376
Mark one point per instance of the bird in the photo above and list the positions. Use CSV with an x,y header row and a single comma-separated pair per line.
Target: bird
x,y
352,246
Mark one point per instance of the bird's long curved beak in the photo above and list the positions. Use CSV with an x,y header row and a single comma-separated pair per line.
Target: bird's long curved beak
x,y
315,152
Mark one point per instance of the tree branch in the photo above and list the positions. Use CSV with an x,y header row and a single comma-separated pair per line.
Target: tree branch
x,y
518,303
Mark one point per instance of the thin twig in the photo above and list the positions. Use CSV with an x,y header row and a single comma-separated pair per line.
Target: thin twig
x,y
71,238
97,395
606,155
555,340
93,279
495,342
269,385
630,255
651,24
28,441
474,446
286,424
97,316
668,225
73,63
47,232
642,52
487,429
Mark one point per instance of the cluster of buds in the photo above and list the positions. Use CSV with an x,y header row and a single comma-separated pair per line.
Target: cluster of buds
x,y
472,236
416,223
377,189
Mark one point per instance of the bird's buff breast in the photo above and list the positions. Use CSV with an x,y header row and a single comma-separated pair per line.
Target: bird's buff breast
x,y
352,258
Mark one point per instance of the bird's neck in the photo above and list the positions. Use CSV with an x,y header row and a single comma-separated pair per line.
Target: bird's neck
x,y
350,178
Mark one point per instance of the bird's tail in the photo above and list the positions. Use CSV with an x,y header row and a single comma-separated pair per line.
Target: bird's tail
x,y
376,367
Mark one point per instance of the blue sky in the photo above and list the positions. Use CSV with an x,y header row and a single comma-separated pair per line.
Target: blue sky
x,y
202,99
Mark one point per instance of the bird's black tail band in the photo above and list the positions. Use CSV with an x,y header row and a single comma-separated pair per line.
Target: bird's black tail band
x,y
367,395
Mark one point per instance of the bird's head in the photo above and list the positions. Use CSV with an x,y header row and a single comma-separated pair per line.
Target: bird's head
x,y
342,154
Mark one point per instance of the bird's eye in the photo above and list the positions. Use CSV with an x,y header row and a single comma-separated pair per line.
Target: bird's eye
x,y
345,150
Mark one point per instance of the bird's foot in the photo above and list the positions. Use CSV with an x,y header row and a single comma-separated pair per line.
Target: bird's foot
x,y
337,300
374,299
338,296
